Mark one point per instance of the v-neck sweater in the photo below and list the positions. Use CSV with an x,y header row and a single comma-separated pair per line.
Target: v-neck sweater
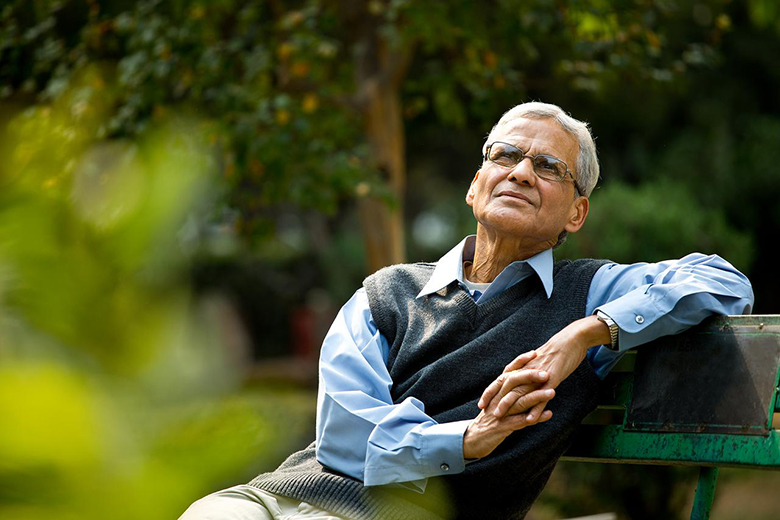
x,y
445,349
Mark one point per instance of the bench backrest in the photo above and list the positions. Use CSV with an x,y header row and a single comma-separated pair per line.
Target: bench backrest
x,y
706,397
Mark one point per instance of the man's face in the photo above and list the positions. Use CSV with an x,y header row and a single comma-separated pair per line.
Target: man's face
x,y
515,202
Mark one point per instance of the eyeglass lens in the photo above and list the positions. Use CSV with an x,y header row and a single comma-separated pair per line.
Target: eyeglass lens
x,y
509,156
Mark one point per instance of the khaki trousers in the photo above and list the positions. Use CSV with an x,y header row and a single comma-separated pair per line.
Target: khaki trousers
x,y
248,503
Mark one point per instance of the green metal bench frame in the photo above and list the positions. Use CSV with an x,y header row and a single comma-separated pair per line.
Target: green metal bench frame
x,y
605,435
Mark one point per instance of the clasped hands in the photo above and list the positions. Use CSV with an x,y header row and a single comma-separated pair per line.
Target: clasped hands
x,y
519,395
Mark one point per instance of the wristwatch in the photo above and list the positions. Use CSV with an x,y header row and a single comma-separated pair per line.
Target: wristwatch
x,y
613,329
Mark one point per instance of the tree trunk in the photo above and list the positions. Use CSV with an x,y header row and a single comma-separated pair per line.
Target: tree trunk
x,y
382,224
380,71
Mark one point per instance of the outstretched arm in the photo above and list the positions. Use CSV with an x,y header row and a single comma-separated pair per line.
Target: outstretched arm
x,y
647,301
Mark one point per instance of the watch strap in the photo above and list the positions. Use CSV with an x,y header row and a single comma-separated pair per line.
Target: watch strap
x,y
613,329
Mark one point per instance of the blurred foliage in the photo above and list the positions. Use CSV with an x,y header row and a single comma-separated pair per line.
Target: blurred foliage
x,y
239,64
109,378
285,90
664,221
281,83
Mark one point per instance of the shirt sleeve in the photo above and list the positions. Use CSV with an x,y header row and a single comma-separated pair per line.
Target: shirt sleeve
x,y
360,431
650,300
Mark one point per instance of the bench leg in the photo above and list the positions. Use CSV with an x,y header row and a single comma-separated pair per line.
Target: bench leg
x,y
705,493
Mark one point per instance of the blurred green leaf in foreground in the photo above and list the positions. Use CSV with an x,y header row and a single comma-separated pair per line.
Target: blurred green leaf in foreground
x,y
117,399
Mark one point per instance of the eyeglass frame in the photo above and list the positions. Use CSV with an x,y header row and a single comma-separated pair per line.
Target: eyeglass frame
x,y
524,156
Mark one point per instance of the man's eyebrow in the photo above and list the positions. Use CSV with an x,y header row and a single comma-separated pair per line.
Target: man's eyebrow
x,y
543,152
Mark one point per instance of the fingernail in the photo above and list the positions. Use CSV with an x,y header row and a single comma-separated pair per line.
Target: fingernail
x,y
548,393
530,417
542,374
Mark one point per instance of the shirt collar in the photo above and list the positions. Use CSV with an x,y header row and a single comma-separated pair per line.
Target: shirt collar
x,y
450,267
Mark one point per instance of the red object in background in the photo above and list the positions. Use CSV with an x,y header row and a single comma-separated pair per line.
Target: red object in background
x,y
303,324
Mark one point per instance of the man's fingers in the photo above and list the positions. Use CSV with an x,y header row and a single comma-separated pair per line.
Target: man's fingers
x,y
536,412
545,416
517,401
490,392
534,401
518,422
494,387
505,382
520,382
520,361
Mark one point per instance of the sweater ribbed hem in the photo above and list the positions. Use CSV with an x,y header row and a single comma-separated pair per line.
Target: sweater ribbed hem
x,y
302,478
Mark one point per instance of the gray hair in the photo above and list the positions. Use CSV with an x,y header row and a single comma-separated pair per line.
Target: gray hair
x,y
587,166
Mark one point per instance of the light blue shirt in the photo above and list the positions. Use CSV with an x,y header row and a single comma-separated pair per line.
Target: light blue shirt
x,y
362,433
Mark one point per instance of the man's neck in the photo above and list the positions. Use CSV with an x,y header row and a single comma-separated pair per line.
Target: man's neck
x,y
493,253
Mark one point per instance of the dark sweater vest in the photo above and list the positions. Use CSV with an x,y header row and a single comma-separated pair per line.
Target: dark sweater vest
x,y
445,349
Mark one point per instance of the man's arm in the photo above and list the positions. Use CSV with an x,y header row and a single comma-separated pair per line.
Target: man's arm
x,y
360,432
363,434
647,301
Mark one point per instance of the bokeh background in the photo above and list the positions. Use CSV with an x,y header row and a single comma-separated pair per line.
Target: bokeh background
x,y
189,190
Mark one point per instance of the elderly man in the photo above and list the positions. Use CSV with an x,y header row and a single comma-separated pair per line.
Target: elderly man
x,y
451,389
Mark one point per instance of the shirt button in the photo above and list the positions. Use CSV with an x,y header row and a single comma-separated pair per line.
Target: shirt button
x,y
445,467
640,319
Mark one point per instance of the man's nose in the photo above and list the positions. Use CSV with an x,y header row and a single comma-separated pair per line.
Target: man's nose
x,y
523,172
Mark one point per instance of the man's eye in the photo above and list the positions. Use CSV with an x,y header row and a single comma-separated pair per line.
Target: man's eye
x,y
547,165
505,157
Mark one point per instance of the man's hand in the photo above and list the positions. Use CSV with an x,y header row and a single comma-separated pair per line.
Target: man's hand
x,y
559,357
488,430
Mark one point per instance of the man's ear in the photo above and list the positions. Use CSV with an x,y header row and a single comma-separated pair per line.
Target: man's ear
x,y
470,194
578,214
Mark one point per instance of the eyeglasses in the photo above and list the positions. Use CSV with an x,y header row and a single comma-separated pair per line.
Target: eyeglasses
x,y
545,166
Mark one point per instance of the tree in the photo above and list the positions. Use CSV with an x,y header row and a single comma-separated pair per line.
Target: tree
x,y
311,98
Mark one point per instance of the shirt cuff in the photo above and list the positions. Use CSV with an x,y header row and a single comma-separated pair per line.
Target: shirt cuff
x,y
632,317
440,452
443,448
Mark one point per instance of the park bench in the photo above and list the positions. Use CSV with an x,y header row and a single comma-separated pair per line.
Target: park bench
x,y
703,398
